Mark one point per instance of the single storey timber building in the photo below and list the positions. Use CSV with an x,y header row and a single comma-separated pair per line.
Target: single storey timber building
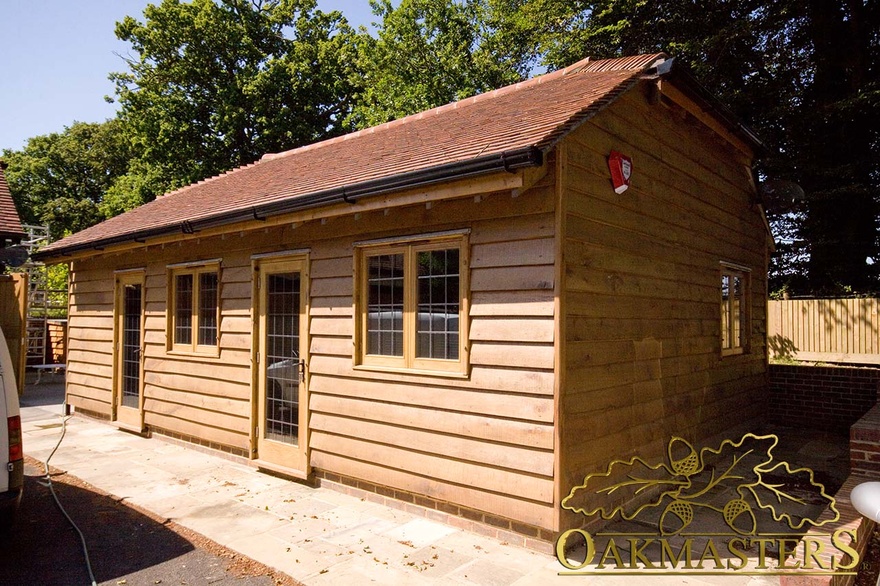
x,y
456,309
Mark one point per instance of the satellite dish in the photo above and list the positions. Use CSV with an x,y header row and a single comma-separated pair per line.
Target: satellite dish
x,y
780,195
14,256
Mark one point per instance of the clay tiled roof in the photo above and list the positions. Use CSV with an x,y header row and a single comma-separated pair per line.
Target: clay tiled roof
x,y
519,120
10,224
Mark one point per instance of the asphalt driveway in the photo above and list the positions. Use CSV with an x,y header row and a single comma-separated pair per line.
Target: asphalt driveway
x,y
126,546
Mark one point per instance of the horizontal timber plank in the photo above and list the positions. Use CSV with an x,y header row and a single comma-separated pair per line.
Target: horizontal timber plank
x,y
187,368
95,286
88,380
193,429
232,341
237,325
213,419
90,369
494,354
103,357
590,280
461,448
102,395
538,514
494,379
509,329
337,286
183,382
80,402
333,346
209,403
236,290
237,274
646,308
511,254
101,299
339,306
665,222
332,326
611,259
539,277
332,268
524,227
522,486
526,434
512,303
103,322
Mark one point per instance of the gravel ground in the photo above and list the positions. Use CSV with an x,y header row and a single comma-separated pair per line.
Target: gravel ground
x,y
127,546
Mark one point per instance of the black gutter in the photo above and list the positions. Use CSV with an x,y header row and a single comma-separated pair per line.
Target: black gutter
x,y
509,161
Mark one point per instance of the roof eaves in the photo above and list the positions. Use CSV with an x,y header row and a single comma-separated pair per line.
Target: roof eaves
x,y
677,73
510,161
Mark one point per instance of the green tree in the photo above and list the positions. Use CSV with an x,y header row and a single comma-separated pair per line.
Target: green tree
x,y
60,179
215,85
805,75
429,53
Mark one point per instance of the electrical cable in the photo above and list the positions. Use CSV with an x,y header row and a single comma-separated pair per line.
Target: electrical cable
x,y
58,502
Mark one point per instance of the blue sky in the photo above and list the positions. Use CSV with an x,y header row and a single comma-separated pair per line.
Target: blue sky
x,y
55,56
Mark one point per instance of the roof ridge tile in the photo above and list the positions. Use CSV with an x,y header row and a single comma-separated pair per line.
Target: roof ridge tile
x,y
584,65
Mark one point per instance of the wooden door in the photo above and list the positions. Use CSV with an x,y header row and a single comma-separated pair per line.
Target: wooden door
x,y
128,387
282,405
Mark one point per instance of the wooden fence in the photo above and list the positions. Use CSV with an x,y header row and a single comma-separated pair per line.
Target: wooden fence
x,y
825,330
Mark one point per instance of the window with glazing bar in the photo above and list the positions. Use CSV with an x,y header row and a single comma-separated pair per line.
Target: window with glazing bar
x,y
735,327
194,302
411,299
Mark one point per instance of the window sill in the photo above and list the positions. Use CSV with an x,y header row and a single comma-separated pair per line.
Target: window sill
x,y
213,353
453,374
733,352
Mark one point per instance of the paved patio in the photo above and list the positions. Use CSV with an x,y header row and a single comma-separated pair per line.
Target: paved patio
x,y
315,535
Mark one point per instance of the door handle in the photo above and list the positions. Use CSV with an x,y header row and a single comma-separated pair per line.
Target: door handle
x,y
302,371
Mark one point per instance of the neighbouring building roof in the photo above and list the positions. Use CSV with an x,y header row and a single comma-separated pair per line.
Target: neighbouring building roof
x,y
508,128
10,223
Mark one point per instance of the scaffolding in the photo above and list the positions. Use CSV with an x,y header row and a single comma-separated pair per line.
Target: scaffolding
x,y
43,303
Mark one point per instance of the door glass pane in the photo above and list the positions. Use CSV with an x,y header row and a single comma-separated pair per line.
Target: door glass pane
x,y
131,345
439,303
385,305
282,357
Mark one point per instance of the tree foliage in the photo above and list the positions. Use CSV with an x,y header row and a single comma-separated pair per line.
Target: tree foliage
x,y
214,85
805,75
60,179
428,53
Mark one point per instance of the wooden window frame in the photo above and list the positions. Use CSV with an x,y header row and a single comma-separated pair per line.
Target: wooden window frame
x,y
727,326
410,247
196,269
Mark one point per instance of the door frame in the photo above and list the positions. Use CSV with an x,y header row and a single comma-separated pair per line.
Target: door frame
x,y
127,417
296,462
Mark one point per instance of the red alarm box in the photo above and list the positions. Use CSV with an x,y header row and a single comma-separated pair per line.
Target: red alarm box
x,y
621,168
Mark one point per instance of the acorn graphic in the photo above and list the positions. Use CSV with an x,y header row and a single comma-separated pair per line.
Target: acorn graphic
x,y
676,516
687,465
739,516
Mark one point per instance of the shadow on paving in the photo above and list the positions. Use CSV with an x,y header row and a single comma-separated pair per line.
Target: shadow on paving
x,y
125,546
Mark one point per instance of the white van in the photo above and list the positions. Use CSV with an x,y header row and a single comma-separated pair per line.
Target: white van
x,y
12,474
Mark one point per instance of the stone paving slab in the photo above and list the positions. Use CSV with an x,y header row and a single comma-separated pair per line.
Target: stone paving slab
x,y
315,535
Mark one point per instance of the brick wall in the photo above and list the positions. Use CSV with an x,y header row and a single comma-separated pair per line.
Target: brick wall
x,y
827,398
864,444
